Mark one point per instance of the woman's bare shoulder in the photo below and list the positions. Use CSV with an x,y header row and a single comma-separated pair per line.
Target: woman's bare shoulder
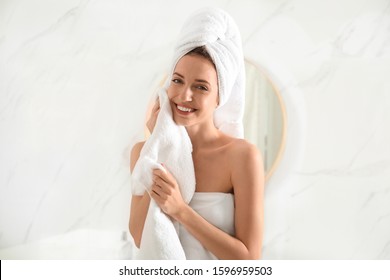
x,y
243,147
247,169
242,152
134,155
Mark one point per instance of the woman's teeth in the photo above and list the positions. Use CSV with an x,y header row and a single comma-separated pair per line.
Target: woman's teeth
x,y
184,109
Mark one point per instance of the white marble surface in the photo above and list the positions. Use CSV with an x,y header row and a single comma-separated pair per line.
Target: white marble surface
x,y
80,244
76,76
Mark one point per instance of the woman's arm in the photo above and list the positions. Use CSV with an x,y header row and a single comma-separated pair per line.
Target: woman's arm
x,y
139,204
248,181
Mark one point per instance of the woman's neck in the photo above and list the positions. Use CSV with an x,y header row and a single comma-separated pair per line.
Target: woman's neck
x,y
202,135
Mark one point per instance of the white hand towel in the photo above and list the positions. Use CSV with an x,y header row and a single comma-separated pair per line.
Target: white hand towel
x,y
170,143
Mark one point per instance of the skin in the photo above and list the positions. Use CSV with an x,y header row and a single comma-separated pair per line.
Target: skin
x,y
222,164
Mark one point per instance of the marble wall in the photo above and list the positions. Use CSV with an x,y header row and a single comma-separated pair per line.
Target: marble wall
x,y
76,78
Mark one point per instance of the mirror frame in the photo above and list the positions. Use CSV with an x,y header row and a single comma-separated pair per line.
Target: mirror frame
x,y
284,120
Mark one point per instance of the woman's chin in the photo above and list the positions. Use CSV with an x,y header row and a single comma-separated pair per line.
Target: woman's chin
x,y
182,122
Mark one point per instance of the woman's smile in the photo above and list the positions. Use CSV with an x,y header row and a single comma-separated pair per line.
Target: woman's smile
x,y
184,110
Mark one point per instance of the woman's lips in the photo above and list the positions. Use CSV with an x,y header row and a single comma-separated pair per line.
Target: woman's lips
x,y
184,110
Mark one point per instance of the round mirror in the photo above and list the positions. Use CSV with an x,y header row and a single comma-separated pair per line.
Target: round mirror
x,y
264,117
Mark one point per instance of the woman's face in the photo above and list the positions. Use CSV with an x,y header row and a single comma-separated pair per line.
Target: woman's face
x,y
193,91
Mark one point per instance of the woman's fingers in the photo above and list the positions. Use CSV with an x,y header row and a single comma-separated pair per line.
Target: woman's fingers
x,y
156,105
159,191
166,192
155,109
156,197
165,176
153,116
162,185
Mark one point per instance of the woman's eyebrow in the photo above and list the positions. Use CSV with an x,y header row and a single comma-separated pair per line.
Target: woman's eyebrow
x,y
180,75
202,81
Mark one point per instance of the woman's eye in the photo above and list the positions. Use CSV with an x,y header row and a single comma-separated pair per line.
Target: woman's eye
x,y
176,81
202,88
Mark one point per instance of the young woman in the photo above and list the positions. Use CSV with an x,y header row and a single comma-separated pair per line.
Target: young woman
x,y
224,220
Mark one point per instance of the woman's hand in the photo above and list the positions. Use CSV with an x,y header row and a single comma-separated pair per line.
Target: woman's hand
x,y
150,124
166,193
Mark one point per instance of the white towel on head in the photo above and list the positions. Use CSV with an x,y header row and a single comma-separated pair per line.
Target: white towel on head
x,y
170,143
217,31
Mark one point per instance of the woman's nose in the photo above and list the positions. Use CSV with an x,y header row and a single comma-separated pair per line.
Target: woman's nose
x,y
186,94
